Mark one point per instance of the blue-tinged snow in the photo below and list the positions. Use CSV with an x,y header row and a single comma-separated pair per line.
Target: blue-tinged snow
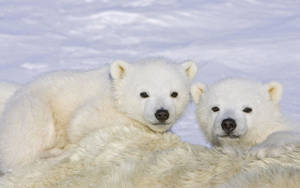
x,y
254,39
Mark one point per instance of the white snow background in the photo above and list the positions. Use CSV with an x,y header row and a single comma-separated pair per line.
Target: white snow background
x,y
255,39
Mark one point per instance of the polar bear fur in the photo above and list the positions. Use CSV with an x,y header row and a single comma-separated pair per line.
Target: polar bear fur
x,y
6,91
254,109
44,116
127,156
272,177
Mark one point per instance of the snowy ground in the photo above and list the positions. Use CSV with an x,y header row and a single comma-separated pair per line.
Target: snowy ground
x,y
234,38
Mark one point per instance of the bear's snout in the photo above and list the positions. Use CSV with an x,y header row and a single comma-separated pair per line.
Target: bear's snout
x,y
228,125
162,115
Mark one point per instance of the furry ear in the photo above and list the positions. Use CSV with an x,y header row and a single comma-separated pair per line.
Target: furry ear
x,y
274,90
118,69
196,91
190,68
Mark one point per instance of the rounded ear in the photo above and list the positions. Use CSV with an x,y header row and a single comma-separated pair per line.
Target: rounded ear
x,y
118,69
196,91
190,69
274,90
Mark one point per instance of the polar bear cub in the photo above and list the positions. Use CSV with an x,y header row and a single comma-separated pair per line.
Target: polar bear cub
x,y
6,91
45,115
244,113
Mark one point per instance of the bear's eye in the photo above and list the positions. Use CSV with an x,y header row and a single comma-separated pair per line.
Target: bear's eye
x,y
174,94
247,110
144,94
215,109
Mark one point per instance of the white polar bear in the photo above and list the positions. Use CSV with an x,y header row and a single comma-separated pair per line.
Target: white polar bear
x,y
130,157
244,113
35,124
6,91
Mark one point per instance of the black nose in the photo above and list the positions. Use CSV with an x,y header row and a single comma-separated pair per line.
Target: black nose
x,y
162,115
228,125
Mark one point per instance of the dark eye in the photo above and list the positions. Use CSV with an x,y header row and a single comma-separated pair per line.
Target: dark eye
x,y
215,109
144,94
174,94
247,110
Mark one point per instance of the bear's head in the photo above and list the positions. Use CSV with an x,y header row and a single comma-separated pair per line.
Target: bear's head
x,y
154,92
236,111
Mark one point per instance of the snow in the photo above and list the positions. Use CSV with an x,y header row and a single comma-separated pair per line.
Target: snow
x,y
227,38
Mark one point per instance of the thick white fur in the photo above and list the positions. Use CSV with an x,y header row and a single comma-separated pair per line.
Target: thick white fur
x,y
62,107
274,176
128,156
264,127
6,91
